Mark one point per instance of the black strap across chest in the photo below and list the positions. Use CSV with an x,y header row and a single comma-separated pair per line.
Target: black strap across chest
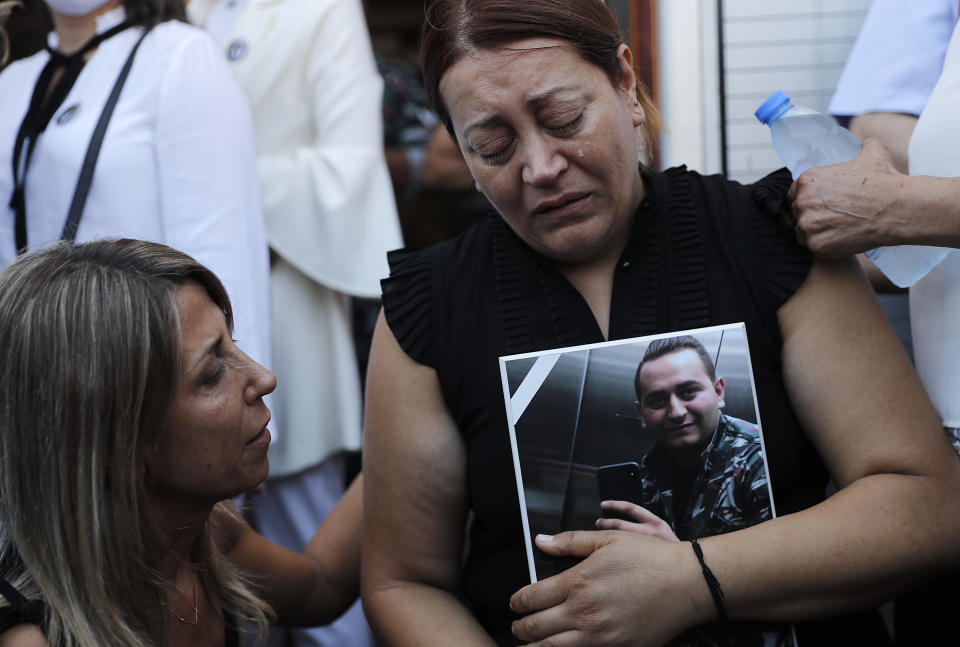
x,y
44,103
12,595
19,610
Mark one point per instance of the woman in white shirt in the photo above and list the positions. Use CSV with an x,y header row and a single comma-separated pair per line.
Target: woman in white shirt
x,y
177,161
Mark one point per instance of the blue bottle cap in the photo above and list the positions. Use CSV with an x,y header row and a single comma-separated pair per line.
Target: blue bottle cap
x,y
771,109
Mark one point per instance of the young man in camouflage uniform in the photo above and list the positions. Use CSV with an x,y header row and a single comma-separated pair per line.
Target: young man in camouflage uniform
x,y
706,474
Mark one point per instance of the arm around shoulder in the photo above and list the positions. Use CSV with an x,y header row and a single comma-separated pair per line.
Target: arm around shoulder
x,y
305,589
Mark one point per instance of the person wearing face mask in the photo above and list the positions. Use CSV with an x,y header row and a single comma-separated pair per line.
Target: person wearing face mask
x,y
128,124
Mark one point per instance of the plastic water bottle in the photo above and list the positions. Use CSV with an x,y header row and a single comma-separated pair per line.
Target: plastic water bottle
x,y
805,138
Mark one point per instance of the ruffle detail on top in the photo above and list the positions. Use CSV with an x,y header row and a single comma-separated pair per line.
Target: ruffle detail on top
x,y
568,329
666,217
408,303
643,254
785,262
689,291
508,263
522,275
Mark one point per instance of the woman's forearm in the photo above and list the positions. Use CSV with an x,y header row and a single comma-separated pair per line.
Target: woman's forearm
x,y
926,211
413,614
896,516
867,543
335,548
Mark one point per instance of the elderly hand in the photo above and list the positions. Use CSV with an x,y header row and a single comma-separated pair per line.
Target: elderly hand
x,y
844,209
631,589
644,522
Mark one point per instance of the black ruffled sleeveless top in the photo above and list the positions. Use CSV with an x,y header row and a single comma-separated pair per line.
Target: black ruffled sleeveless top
x,y
703,251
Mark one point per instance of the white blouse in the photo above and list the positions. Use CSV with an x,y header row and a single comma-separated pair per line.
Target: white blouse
x,y
308,70
935,299
177,164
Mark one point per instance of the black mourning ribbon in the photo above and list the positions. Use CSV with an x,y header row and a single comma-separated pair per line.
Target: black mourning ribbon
x,y
44,102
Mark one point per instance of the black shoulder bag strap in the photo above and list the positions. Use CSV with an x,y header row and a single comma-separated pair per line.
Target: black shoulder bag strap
x,y
93,150
13,596
45,100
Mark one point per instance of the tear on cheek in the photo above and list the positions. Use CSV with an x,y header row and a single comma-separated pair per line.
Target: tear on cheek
x,y
579,152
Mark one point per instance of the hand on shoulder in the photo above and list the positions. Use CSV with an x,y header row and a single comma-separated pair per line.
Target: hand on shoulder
x,y
845,209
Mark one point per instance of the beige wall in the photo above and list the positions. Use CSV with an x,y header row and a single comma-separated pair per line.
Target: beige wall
x,y
798,47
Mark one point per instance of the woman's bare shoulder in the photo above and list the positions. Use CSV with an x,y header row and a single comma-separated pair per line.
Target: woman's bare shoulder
x,y
23,636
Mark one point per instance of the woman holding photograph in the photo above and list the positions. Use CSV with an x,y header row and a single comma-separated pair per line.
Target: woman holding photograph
x,y
130,417
542,100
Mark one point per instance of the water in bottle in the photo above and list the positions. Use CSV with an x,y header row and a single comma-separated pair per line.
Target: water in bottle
x,y
804,138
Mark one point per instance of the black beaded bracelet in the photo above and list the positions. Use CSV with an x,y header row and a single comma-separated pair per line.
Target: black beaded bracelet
x,y
715,591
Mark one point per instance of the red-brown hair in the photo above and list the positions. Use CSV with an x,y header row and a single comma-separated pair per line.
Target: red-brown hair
x,y
454,28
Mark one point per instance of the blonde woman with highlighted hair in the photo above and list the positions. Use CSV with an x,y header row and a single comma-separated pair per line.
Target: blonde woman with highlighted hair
x,y
129,417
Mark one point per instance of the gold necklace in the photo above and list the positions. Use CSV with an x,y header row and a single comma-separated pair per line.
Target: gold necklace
x,y
196,608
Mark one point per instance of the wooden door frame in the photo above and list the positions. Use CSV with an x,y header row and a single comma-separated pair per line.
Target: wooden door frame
x,y
645,47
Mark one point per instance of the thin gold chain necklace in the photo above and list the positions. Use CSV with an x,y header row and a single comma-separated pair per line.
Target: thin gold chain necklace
x,y
196,608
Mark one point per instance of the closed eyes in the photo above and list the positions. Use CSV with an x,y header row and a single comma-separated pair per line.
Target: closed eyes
x,y
561,131
216,375
568,128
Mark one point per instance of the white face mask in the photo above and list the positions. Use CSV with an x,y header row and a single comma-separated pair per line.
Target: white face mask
x,y
75,7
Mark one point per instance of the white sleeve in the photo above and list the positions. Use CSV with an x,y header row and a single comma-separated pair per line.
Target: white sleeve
x,y
897,57
329,203
208,185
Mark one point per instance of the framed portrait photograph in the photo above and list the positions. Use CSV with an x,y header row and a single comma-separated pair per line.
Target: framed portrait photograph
x,y
660,431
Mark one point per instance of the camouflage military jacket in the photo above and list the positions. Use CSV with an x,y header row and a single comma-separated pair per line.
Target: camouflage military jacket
x,y
729,493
